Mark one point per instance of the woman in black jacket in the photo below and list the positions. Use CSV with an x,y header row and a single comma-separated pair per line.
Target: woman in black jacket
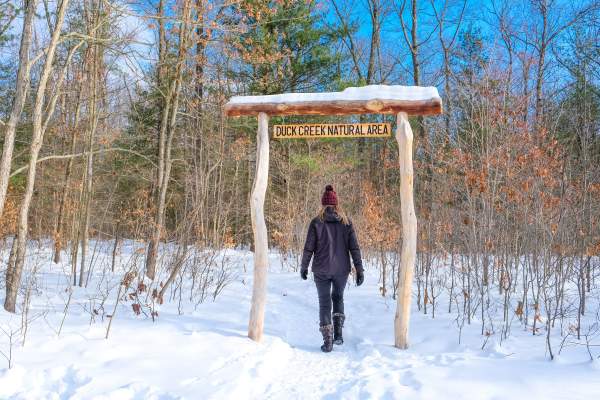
x,y
332,240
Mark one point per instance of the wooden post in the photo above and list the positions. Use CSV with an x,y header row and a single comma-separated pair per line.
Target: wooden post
x,y
259,229
404,137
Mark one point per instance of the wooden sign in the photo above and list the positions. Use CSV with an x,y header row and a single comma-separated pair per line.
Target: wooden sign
x,y
316,131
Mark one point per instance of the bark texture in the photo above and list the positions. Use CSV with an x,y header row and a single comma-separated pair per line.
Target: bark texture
x,y
259,229
21,87
404,137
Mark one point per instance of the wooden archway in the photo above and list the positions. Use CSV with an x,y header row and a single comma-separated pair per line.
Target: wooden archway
x,y
375,99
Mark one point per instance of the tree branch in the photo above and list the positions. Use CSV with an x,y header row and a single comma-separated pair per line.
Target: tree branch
x,y
64,156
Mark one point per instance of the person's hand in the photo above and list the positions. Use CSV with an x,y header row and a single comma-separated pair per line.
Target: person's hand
x,y
360,277
304,274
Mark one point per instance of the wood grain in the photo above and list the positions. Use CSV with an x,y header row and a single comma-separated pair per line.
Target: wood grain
x,y
259,229
404,137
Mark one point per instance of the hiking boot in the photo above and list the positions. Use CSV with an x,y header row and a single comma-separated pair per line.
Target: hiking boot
x,y
327,332
338,324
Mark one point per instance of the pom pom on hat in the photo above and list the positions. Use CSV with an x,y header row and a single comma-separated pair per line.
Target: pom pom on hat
x,y
329,197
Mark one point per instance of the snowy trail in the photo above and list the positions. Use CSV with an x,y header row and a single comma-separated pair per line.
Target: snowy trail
x,y
205,354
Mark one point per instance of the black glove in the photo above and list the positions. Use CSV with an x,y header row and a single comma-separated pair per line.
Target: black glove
x,y
304,274
360,277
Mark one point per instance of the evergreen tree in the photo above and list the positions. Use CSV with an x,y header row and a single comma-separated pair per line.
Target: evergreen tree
x,y
580,107
284,47
470,62
8,13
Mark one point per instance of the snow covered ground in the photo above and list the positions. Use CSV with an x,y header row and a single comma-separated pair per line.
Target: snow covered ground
x,y
203,353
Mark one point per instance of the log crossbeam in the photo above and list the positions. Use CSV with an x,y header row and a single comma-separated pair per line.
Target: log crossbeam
x,y
355,107
374,99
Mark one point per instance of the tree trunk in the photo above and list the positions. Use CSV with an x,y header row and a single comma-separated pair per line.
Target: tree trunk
x,y
115,247
158,219
414,52
541,64
259,228
17,253
58,232
404,137
167,133
375,39
21,87
414,49
89,172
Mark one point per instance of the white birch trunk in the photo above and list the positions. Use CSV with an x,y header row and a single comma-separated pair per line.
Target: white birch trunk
x,y
404,137
259,229
17,253
21,88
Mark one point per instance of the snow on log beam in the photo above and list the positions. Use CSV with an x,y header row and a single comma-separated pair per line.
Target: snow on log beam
x,y
373,99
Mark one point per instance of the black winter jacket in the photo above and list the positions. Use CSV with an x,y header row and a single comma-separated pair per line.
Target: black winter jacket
x,y
332,243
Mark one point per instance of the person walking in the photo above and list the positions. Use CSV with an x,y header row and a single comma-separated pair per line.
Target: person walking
x,y
330,242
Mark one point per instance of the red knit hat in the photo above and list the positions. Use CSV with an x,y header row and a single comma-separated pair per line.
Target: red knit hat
x,y
329,197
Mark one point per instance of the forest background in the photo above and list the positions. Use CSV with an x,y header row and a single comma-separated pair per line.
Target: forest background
x,y
113,128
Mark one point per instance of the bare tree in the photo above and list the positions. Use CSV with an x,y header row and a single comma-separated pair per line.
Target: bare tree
x,y
93,15
447,43
554,19
21,88
166,134
17,254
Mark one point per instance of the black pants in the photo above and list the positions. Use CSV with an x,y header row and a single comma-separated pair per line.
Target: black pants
x,y
330,290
